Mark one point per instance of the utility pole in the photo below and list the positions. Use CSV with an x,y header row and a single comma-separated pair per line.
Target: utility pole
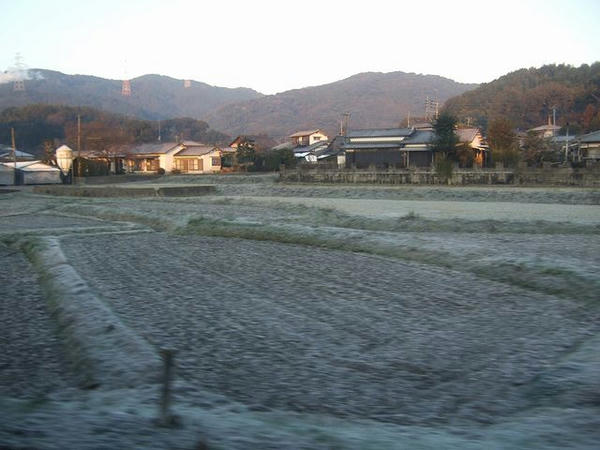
x,y
78,144
14,146
567,145
344,123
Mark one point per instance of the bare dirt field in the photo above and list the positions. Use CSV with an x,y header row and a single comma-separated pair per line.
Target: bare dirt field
x,y
291,327
32,362
311,317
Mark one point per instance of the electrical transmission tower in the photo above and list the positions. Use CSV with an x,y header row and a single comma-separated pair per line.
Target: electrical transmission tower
x,y
20,74
432,108
126,88
344,123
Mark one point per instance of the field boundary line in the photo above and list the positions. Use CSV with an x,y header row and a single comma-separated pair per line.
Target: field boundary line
x,y
103,350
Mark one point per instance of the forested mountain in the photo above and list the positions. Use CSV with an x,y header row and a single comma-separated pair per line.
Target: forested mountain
x,y
373,99
53,124
152,96
526,98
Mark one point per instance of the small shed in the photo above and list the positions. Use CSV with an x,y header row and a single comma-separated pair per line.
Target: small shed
x,y
7,175
33,172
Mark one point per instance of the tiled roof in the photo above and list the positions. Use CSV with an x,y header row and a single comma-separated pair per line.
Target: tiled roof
x,y
196,150
380,132
151,149
284,146
304,133
594,136
467,134
6,150
312,148
420,137
31,166
545,128
372,145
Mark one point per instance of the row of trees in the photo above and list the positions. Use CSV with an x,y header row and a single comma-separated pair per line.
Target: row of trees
x,y
38,126
263,160
503,142
533,149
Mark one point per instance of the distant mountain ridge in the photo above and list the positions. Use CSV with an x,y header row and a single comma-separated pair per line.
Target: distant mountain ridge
x,y
153,96
374,99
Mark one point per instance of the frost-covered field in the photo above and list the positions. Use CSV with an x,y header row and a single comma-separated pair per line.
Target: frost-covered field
x,y
317,316
302,329
31,361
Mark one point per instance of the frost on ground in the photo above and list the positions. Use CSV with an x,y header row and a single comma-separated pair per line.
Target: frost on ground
x,y
267,185
32,360
290,327
415,321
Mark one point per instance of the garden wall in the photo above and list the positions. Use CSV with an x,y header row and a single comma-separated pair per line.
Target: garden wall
x,y
584,177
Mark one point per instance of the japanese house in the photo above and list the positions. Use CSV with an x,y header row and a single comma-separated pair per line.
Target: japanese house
x,y
198,159
388,147
306,138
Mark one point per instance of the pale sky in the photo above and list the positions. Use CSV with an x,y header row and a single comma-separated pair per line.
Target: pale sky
x,y
272,46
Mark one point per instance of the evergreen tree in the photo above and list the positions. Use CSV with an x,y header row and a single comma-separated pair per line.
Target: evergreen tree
x,y
446,138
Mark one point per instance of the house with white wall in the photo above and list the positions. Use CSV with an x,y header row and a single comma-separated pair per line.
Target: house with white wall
x,y
198,159
307,137
186,156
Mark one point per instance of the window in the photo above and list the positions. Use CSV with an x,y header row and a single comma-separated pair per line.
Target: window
x,y
188,164
151,165
215,161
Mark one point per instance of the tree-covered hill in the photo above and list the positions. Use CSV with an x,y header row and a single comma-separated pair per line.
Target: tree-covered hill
x,y
526,98
374,99
36,124
152,96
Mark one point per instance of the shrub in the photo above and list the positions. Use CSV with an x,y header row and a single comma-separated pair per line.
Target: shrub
x,y
509,157
465,156
443,169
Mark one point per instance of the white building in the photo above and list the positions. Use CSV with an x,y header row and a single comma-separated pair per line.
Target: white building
x,y
308,137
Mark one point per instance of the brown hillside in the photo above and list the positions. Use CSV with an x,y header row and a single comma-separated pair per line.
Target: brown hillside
x,y
526,97
373,99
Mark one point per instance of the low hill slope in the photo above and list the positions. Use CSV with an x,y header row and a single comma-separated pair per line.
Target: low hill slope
x,y
526,97
373,99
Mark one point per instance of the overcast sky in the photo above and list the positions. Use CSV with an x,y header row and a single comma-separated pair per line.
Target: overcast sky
x,y
272,46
